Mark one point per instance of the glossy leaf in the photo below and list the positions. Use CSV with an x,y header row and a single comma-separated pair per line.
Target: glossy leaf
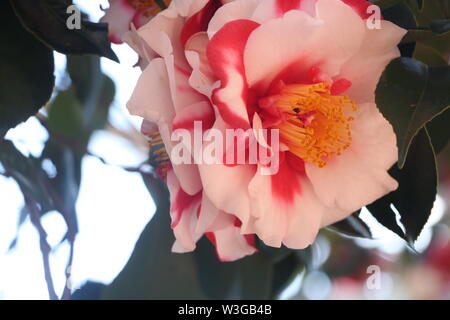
x,y
384,4
26,77
94,90
47,19
409,94
65,116
352,226
415,195
284,273
431,57
439,131
248,278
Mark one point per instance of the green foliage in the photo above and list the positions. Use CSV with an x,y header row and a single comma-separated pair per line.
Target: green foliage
x,y
353,226
23,59
47,19
410,94
415,195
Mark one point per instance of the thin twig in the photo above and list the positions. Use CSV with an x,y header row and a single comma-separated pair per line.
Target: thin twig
x,y
45,247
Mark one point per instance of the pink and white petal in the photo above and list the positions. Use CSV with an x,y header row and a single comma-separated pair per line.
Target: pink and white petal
x,y
235,10
119,16
230,244
297,37
134,40
285,208
199,21
276,44
184,211
225,55
373,137
187,8
359,176
202,77
271,9
227,188
159,107
142,17
208,217
198,112
187,173
333,215
148,128
162,34
365,67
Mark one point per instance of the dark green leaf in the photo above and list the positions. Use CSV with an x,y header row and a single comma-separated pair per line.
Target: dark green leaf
x,y
439,131
402,16
276,254
86,75
440,26
67,180
248,278
218,280
65,116
353,226
429,56
416,193
432,15
89,291
284,273
94,90
409,94
47,19
256,276
384,4
26,77
26,171
428,11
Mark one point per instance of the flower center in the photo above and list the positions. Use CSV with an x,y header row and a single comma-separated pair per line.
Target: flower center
x,y
150,6
314,125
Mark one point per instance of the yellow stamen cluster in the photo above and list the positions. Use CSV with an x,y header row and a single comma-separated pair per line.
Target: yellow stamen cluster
x,y
158,154
315,125
151,7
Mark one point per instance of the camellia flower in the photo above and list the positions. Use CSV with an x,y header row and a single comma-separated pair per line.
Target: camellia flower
x,y
309,69
122,13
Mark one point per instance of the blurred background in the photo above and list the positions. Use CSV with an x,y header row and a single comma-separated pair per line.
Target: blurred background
x,y
114,206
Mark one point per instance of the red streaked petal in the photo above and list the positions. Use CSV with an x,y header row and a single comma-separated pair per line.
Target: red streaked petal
x,y
283,6
230,244
340,86
360,7
201,111
225,53
183,212
284,184
181,203
199,21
